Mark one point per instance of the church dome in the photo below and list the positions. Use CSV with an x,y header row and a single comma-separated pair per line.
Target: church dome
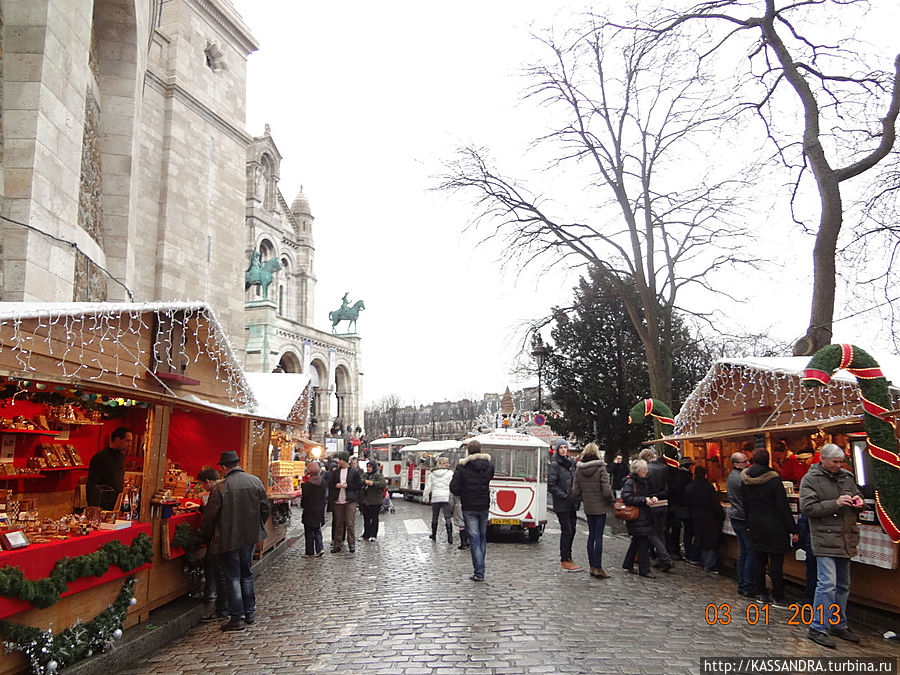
x,y
300,207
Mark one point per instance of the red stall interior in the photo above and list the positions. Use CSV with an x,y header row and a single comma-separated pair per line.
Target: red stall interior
x,y
198,438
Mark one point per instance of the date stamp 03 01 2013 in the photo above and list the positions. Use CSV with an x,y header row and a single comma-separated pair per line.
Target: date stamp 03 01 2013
x,y
799,615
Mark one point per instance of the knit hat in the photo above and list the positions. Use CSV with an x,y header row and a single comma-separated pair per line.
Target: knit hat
x,y
561,442
685,461
344,456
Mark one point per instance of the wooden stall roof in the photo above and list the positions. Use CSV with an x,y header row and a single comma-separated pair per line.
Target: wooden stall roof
x,y
739,395
799,426
277,394
174,351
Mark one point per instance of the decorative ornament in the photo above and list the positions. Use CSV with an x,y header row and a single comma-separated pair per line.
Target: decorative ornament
x,y
48,652
663,414
876,402
132,602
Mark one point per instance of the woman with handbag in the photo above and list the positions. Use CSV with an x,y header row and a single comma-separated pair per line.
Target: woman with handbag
x,y
591,485
635,493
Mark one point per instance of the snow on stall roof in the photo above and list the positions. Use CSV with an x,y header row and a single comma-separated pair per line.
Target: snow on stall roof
x,y
405,440
432,446
276,393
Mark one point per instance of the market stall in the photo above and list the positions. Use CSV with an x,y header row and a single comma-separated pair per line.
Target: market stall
x,y
71,375
744,404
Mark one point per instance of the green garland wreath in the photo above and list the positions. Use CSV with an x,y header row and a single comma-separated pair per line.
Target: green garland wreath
x,y
663,415
48,652
43,593
876,399
187,538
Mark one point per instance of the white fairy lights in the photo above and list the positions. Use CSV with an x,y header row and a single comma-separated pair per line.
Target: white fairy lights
x,y
93,336
775,383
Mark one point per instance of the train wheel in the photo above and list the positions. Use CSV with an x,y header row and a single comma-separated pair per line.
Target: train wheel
x,y
534,533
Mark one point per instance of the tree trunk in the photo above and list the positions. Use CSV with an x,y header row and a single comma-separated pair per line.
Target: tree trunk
x,y
824,270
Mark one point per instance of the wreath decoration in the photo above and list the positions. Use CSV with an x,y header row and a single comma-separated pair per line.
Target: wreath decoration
x,y
48,652
662,414
43,593
881,441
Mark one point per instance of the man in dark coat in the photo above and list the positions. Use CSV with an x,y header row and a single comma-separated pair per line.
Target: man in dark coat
x,y
658,482
565,505
770,522
343,494
234,521
636,492
618,471
707,516
471,483
312,501
106,473
831,500
678,514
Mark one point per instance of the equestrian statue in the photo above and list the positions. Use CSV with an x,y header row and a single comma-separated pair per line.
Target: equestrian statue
x,y
260,275
346,312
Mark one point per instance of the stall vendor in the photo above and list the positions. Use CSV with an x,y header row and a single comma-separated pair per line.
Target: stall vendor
x,y
106,474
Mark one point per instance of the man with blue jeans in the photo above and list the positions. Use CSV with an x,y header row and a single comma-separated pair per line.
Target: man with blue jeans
x,y
233,522
471,483
745,562
830,499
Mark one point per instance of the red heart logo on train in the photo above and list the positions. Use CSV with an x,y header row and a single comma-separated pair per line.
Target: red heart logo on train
x,y
506,500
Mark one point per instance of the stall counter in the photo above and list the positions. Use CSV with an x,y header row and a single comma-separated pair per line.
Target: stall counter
x,y
37,561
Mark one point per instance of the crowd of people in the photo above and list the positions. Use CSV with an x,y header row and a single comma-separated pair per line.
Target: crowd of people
x,y
675,515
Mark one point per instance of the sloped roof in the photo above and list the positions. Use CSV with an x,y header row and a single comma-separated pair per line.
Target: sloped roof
x,y
277,393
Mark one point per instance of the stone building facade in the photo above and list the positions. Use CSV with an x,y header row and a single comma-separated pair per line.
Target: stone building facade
x,y
126,170
279,331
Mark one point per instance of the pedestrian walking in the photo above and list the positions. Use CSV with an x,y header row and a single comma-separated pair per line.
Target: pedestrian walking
x,y
706,517
560,477
771,524
233,522
746,564
471,483
343,493
371,499
312,501
437,493
658,480
458,522
215,594
831,500
636,492
619,471
804,543
592,487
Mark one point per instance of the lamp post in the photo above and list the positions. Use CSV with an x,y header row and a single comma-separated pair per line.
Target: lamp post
x,y
540,352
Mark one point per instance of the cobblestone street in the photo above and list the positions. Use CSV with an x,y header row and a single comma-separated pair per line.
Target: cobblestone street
x,y
405,604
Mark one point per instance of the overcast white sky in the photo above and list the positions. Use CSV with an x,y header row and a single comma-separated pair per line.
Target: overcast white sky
x,y
365,100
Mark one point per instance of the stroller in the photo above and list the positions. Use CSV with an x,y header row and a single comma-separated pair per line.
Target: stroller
x,y
387,505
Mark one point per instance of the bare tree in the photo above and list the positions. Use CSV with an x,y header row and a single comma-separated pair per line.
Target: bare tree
x,y
652,222
849,111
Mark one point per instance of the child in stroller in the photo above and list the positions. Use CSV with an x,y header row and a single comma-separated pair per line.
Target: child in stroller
x,y
387,504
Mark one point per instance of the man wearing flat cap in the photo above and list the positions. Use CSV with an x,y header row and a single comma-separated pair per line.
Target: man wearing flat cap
x,y
345,483
233,522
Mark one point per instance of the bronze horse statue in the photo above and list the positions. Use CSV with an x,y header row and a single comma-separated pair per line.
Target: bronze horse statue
x,y
260,274
350,314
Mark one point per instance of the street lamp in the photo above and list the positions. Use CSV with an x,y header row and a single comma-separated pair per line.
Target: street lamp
x,y
540,352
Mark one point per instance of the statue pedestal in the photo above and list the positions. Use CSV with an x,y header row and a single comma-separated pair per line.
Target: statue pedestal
x,y
252,304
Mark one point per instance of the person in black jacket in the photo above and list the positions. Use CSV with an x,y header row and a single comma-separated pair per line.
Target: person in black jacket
x,y
618,471
678,514
312,501
636,492
343,494
565,505
471,483
770,521
707,516
658,480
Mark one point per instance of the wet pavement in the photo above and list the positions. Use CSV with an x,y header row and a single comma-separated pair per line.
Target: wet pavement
x,y
405,605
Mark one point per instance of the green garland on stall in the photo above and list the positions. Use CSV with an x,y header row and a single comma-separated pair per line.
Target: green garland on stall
x,y
187,538
881,441
48,652
663,414
43,593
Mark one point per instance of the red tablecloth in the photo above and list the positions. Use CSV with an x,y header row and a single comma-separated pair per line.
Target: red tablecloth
x,y
37,561
193,519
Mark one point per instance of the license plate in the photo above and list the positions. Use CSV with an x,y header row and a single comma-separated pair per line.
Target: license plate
x,y
505,521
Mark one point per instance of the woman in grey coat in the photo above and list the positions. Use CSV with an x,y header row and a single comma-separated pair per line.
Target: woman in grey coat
x,y
591,485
